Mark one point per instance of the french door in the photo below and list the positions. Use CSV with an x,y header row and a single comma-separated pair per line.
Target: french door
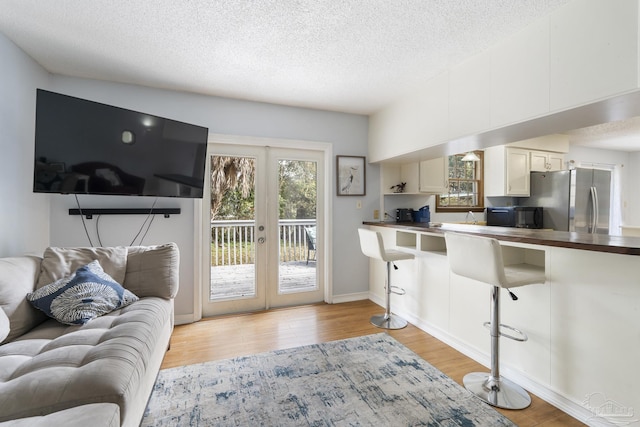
x,y
265,208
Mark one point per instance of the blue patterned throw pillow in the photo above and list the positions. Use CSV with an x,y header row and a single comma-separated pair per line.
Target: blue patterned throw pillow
x,y
88,293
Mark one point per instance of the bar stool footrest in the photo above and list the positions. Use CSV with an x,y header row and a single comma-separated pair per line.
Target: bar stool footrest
x,y
522,336
397,290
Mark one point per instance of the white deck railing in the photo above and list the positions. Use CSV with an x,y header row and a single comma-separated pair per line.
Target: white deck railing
x,y
233,242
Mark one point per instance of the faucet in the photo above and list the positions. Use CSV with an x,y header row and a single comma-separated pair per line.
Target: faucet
x,y
466,218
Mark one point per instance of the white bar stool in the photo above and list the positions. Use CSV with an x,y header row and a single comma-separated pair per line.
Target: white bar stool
x,y
480,258
372,246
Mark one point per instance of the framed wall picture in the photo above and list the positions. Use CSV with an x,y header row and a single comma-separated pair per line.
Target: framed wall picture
x,y
351,175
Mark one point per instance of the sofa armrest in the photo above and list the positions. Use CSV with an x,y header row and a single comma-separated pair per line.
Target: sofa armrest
x,y
152,271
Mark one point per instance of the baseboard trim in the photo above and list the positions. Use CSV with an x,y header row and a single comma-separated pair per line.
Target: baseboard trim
x,y
183,319
565,404
337,299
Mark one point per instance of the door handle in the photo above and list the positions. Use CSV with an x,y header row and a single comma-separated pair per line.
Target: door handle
x,y
261,240
596,216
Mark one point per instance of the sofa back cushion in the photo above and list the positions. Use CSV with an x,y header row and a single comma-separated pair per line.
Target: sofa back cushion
x,y
58,263
153,270
18,276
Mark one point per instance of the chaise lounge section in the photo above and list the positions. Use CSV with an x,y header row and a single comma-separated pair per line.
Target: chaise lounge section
x,y
51,371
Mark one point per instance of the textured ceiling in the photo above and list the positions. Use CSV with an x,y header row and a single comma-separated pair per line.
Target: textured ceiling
x,y
343,55
622,135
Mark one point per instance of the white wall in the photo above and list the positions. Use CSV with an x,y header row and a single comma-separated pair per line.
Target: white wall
x,y
347,132
24,216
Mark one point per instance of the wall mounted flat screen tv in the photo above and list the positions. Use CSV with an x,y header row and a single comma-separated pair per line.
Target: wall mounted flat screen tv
x,y
85,147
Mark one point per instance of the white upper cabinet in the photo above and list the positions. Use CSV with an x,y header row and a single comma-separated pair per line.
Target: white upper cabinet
x,y
593,51
520,75
416,121
506,172
434,176
517,172
542,161
583,52
469,91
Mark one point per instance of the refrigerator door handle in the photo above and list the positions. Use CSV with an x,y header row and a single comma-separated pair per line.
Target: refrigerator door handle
x,y
594,210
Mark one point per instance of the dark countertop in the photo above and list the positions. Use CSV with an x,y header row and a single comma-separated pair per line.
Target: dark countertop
x,y
563,239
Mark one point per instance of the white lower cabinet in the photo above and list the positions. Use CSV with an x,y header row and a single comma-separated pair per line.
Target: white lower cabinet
x,y
582,324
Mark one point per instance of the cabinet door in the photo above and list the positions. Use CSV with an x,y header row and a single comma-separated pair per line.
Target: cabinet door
x,y
593,51
518,168
556,162
469,90
539,161
542,161
433,176
520,70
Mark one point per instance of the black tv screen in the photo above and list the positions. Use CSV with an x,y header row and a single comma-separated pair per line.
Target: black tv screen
x,y
85,147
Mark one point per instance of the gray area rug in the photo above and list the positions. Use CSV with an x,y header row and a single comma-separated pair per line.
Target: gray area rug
x,y
366,381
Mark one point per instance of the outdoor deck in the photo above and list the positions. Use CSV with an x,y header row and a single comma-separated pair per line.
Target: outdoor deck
x,y
231,281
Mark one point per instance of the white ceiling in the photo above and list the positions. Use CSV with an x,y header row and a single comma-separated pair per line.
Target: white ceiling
x,y
351,56
342,55
620,136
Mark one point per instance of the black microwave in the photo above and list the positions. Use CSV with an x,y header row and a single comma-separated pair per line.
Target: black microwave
x,y
515,216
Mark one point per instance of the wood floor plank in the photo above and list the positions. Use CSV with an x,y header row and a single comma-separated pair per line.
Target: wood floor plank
x,y
225,337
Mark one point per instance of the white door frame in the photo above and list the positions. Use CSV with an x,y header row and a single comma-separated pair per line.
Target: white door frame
x,y
202,222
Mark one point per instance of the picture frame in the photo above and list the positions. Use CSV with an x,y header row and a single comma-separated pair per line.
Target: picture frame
x,y
351,174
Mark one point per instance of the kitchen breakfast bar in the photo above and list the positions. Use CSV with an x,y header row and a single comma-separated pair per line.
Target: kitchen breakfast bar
x,y
583,323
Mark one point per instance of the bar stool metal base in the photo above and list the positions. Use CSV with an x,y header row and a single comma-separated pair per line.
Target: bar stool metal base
x,y
388,321
501,393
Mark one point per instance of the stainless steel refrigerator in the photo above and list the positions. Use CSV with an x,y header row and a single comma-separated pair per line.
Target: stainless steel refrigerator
x,y
572,200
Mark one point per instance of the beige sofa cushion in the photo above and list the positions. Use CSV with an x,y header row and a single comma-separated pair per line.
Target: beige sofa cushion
x,y
95,415
17,278
5,326
153,270
55,367
58,263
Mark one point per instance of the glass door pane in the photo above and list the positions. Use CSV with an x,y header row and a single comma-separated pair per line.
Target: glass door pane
x,y
232,227
297,195
295,250
236,200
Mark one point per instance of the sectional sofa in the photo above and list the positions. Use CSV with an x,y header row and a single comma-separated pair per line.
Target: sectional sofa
x,y
76,348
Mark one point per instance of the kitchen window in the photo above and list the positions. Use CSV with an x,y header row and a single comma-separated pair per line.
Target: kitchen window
x,y
466,186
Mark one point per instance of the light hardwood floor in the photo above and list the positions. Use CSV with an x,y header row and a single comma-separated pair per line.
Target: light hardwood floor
x,y
231,336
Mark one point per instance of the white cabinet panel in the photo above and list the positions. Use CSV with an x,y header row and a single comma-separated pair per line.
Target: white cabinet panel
x,y
506,172
538,161
556,162
542,161
517,170
434,176
595,311
469,94
414,122
520,75
593,51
